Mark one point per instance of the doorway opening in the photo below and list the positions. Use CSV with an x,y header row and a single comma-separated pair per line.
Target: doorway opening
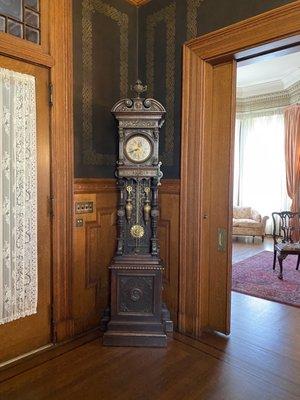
x,y
208,120
267,93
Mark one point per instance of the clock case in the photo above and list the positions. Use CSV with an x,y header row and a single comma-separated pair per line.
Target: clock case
x,y
137,316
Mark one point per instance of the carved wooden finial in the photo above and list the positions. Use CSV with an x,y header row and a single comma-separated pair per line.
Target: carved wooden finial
x,y
139,88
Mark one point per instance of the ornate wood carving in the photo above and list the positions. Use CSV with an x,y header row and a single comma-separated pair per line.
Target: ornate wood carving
x,y
136,294
137,316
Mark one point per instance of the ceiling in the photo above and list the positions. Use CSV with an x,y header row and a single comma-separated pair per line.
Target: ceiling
x,y
268,76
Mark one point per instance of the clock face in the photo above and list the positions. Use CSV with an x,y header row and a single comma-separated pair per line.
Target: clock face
x,y
138,148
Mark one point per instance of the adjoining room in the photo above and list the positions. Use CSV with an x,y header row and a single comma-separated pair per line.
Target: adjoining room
x,y
267,121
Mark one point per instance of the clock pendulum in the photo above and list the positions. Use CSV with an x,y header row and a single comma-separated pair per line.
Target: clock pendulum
x,y
137,316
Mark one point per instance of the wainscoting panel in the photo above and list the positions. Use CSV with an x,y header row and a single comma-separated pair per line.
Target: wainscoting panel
x,y
168,231
94,245
95,241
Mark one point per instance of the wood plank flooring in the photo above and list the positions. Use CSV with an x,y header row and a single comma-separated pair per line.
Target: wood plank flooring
x,y
259,361
243,247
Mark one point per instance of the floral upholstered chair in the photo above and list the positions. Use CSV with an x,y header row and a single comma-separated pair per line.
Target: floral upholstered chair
x,y
248,222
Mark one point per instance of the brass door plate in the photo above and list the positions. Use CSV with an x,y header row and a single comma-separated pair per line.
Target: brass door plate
x,y
222,239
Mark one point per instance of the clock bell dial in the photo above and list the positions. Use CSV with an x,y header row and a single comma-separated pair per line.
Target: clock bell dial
x,y
138,148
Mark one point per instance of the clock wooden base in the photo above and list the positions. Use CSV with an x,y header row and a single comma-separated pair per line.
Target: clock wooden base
x,y
137,315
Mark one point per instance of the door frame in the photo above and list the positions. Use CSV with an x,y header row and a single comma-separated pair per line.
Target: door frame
x,y
55,53
199,58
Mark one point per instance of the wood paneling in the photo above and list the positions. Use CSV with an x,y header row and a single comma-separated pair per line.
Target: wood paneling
x,y
168,231
94,247
221,159
61,47
204,293
193,226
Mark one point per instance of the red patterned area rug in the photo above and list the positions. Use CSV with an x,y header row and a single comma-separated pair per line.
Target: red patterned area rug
x,y
255,277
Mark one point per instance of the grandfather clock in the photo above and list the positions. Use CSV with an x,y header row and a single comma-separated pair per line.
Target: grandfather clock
x,y
137,315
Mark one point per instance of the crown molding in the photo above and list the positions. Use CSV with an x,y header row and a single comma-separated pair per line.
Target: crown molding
x,y
138,3
269,101
284,83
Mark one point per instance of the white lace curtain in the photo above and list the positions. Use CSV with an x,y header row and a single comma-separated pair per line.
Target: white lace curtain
x,y
260,173
18,219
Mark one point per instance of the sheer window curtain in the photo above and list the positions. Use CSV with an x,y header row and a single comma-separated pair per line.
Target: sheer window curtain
x,y
18,219
292,153
260,171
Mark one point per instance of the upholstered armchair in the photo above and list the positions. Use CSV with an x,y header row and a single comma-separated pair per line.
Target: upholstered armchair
x,y
248,222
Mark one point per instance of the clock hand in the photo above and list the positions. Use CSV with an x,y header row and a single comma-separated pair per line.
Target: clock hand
x,y
133,150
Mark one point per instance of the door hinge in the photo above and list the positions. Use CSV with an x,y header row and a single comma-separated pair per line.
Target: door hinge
x,y
51,94
51,206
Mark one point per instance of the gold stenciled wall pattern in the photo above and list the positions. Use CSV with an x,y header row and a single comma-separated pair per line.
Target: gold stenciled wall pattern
x,y
164,25
105,62
191,18
90,156
166,15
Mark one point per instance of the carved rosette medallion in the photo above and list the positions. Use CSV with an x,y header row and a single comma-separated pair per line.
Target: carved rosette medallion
x,y
136,295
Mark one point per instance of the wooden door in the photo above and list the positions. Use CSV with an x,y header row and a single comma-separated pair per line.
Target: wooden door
x,y
219,173
206,194
32,332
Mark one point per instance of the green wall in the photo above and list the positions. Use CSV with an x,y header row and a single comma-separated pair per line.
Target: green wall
x,y
164,25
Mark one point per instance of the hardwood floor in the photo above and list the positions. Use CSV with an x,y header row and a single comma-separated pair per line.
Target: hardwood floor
x,y
243,247
259,361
